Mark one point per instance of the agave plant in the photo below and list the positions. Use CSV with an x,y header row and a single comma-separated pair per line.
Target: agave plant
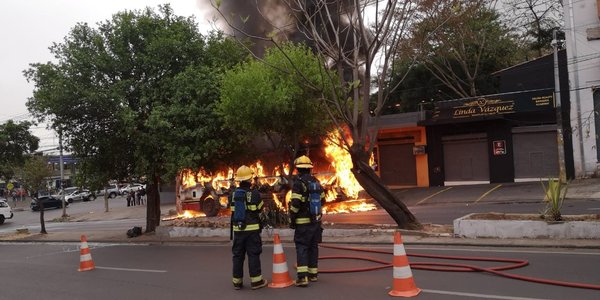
x,y
555,193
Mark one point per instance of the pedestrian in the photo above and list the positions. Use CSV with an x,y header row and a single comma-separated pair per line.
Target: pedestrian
x,y
305,218
128,199
132,195
245,204
142,193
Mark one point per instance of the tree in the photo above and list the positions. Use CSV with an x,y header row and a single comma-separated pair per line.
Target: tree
x,y
534,21
461,43
359,53
15,143
134,97
35,172
269,98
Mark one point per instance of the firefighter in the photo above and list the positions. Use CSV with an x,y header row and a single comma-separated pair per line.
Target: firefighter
x,y
305,221
246,204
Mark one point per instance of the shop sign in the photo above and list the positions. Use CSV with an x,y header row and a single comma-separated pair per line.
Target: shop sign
x,y
490,106
499,147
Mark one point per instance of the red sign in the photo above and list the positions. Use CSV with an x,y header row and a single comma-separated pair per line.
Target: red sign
x,y
499,147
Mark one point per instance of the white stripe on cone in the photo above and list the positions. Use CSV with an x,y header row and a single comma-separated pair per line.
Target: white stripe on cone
x,y
280,268
86,257
399,250
402,272
277,249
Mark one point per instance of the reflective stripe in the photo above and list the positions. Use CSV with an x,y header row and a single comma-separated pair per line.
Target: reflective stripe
x,y
249,227
251,207
277,249
294,209
85,257
302,220
313,271
402,272
237,280
280,268
302,269
260,205
296,196
399,249
256,278
232,208
84,245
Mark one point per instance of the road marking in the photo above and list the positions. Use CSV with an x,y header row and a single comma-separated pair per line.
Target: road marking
x,y
408,247
132,270
431,196
487,193
480,296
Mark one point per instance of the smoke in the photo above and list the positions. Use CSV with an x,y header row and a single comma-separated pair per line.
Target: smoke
x,y
261,18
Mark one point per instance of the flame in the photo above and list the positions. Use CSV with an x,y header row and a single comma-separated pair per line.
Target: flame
x,y
339,184
187,214
348,206
342,164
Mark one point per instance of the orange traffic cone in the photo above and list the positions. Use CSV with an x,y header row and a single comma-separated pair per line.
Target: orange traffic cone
x,y
404,285
281,276
85,258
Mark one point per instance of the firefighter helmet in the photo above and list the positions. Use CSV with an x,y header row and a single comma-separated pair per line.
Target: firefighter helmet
x,y
244,173
303,162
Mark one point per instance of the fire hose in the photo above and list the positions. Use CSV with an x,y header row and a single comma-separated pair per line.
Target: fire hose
x,y
448,267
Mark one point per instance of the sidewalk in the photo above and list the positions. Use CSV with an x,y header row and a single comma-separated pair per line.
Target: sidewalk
x,y
362,234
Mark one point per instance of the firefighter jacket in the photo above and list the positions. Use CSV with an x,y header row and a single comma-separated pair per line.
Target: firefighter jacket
x,y
299,203
254,205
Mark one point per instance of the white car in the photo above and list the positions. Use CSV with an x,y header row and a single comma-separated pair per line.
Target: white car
x,y
112,190
132,187
80,195
5,211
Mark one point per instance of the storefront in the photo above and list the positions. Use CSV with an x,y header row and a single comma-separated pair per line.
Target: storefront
x,y
496,138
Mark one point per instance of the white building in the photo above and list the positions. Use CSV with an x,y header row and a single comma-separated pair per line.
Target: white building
x,y
582,28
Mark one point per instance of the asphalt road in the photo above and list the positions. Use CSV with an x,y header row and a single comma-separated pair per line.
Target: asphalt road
x,y
203,271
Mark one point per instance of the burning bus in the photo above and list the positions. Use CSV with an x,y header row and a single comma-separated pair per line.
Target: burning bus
x,y
200,193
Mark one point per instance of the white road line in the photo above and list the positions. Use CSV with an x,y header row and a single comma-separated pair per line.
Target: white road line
x,y
479,296
132,270
505,251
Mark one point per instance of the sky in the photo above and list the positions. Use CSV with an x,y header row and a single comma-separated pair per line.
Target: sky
x,y
29,27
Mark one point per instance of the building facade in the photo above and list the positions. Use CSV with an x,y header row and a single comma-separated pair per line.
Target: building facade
x,y
582,22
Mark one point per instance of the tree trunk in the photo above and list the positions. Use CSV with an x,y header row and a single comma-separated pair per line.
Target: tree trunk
x,y
42,223
153,205
372,184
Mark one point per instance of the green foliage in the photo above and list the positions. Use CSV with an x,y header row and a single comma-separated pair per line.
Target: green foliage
x,y
134,97
34,174
15,143
279,97
555,192
461,48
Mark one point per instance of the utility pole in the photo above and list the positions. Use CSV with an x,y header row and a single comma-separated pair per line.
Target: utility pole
x,y
559,125
62,175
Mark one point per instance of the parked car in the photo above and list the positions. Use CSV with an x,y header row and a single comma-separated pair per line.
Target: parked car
x,y
49,202
132,187
5,211
112,190
80,195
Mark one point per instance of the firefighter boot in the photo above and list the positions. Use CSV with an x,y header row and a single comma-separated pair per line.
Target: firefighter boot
x,y
302,282
259,284
313,278
238,286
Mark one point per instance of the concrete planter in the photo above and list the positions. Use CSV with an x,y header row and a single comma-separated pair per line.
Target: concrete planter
x,y
470,226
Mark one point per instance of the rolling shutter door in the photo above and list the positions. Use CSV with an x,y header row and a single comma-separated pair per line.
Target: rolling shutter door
x,y
397,165
466,158
535,153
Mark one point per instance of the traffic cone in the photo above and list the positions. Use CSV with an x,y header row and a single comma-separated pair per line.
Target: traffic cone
x,y
85,257
404,285
281,276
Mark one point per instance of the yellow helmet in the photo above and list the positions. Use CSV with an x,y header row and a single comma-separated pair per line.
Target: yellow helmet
x,y
303,162
244,173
